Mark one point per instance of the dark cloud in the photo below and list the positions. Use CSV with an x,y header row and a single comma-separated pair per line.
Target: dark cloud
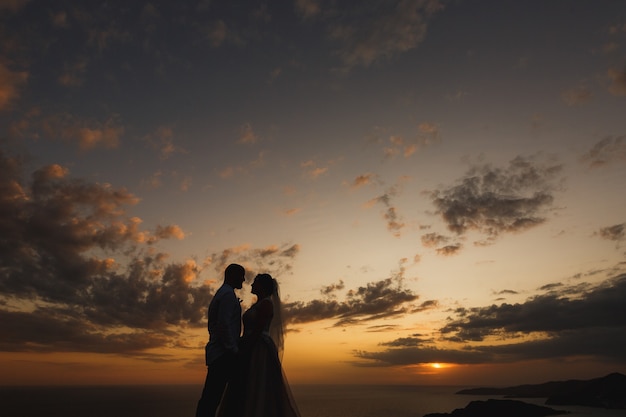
x,y
507,292
493,200
273,259
394,225
552,286
426,305
376,300
78,274
393,220
604,343
330,290
586,321
431,240
449,250
382,328
392,28
411,341
602,306
608,150
616,232
420,355
363,180
51,331
290,251
591,323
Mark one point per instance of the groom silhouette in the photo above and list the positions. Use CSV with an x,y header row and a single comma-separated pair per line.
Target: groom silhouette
x,y
224,326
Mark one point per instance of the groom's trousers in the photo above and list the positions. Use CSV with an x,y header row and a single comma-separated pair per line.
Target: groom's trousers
x,y
218,374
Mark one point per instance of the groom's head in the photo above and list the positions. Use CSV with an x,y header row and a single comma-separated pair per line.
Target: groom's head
x,y
235,275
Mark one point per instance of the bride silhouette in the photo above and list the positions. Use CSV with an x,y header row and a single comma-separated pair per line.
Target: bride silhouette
x,y
259,387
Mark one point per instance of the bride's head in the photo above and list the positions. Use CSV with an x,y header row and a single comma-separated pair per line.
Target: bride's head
x,y
263,286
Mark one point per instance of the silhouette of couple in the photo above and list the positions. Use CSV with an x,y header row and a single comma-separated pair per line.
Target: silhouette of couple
x,y
244,374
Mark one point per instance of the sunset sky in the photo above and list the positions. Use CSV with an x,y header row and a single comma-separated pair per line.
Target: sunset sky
x,y
438,186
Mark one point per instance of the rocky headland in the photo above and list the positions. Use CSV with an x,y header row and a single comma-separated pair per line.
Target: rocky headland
x,y
499,408
605,392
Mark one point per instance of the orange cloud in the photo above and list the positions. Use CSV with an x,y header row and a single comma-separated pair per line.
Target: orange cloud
x,y
10,84
362,180
217,33
247,135
50,172
293,211
307,8
12,5
618,81
428,134
88,134
166,232
162,141
312,170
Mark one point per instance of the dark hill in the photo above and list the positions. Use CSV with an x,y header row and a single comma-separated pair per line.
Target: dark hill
x,y
606,392
499,408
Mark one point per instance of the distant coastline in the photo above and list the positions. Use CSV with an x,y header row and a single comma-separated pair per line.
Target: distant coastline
x,y
499,408
605,392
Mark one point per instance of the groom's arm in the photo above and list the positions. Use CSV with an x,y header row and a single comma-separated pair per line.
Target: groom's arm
x,y
229,319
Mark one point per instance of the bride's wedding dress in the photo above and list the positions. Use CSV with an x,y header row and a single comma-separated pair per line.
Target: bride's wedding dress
x,y
258,387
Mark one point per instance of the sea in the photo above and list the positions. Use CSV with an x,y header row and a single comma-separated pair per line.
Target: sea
x,y
312,400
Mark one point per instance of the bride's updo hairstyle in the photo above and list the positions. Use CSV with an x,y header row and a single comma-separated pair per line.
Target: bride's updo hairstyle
x,y
267,283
